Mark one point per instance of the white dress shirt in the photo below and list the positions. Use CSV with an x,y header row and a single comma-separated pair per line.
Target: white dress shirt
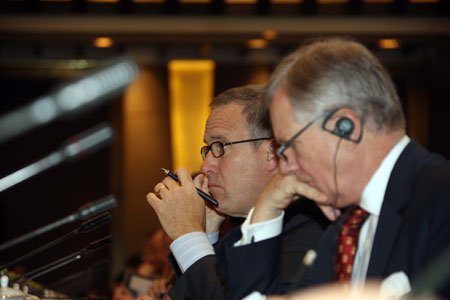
x,y
371,201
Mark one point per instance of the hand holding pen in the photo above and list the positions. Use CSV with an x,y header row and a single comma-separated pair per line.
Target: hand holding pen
x,y
200,192
179,209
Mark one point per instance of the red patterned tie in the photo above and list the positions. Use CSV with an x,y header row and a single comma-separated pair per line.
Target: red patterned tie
x,y
348,239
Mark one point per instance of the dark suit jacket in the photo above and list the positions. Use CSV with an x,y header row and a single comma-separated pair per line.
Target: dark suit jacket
x,y
413,228
304,225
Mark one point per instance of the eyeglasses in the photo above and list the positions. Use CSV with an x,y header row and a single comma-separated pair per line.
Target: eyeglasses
x,y
283,147
218,148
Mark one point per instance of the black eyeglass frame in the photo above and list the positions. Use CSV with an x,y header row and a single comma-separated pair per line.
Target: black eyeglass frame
x,y
286,145
205,149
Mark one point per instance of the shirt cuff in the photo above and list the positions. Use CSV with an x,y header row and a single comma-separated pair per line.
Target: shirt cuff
x,y
213,237
259,231
189,248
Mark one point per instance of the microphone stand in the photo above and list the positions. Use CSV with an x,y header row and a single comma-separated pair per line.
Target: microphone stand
x,y
83,212
86,142
69,281
87,226
65,260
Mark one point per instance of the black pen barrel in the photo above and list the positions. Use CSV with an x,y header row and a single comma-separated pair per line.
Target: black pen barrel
x,y
207,197
200,192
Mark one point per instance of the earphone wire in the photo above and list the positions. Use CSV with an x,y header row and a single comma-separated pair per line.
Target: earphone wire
x,y
336,187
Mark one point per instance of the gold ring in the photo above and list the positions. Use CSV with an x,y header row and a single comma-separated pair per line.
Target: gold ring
x,y
163,187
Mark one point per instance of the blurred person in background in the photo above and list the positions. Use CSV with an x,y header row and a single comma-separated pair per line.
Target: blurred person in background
x,y
145,269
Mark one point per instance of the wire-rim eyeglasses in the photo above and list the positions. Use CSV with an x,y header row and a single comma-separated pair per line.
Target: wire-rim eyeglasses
x,y
286,145
218,148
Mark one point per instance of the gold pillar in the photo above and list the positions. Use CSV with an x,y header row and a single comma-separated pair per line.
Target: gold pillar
x,y
145,146
191,88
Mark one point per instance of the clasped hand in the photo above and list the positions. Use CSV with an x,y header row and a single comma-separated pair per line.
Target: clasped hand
x,y
281,191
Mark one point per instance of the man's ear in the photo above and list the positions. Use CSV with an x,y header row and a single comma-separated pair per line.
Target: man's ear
x,y
271,158
344,123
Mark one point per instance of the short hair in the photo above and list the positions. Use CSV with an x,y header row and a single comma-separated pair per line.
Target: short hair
x,y
256,113
329,73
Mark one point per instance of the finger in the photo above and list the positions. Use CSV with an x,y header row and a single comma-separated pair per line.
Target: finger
x,y
309,192
205,184
330,212
170,183
153,200
198,181
208,209
184,176
158,187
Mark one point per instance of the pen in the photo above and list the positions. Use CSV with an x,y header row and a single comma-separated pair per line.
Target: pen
x,y
200,192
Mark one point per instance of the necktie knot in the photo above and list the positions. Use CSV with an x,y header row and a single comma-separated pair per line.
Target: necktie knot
x,y
354,221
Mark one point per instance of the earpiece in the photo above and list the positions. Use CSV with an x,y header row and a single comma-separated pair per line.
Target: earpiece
x,y
343,129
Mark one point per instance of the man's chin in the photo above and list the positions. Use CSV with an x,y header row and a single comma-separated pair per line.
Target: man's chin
x,y
233,213
220,211
223,210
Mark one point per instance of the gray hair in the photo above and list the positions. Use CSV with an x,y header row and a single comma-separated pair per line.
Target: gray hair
x,y
334,72
255,112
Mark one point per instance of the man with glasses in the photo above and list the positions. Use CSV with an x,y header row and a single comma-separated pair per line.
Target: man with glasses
x,y
338,118
238,163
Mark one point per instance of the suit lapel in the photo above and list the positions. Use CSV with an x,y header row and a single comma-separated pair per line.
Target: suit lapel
x,y
388,226
397,196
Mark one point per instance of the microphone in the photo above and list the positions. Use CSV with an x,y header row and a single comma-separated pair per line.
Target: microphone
x,y
85,227
94,246
82,213
81,144
95,207
307,262
87,92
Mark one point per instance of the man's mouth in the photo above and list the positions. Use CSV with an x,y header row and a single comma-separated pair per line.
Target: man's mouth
x,y
211,186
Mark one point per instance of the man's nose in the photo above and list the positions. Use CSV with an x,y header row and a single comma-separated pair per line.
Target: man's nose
x,y
210,164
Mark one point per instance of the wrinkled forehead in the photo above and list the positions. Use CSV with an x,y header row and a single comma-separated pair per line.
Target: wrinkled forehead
x,y
226,122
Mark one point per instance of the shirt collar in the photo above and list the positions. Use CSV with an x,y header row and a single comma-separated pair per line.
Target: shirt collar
x,y
373,194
